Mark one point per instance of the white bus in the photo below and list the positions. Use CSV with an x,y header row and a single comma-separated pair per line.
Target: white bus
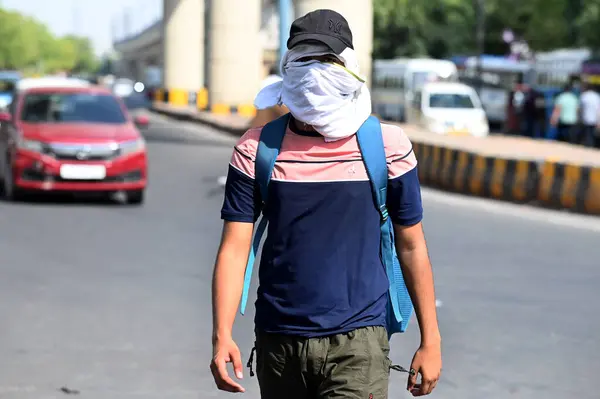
x,y
396,82
555,68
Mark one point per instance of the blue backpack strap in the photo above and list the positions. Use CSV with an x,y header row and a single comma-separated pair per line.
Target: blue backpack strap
x,y
271,137
370,142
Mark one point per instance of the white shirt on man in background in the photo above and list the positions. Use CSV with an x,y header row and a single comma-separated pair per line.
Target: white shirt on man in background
x,y
590,108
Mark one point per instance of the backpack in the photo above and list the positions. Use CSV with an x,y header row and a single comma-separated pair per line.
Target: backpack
x,y
370,141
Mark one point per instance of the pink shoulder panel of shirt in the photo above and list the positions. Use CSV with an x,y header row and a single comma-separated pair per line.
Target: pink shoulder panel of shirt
x,y
312,159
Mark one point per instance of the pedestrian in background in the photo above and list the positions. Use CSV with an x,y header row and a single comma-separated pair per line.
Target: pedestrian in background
x,y
565,114
534,113
590,116
323,289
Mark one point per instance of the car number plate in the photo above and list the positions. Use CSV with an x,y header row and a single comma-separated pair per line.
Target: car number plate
x,y
83,172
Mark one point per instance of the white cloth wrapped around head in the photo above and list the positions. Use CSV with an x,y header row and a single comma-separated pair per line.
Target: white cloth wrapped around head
x,y
332,98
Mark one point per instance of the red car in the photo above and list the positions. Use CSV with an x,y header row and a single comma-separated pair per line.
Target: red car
x,y
71,138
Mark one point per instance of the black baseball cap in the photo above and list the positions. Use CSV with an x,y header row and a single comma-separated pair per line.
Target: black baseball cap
x,y
324,26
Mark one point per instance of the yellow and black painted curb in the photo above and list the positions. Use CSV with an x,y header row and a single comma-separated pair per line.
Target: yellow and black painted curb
x,y
199,99
546,183
572,187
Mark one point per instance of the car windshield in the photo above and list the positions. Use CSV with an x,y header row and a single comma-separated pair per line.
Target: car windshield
x,y
71,107
450,100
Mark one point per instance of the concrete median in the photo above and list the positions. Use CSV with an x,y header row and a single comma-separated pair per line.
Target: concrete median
x,y
570,186
469,173
508,168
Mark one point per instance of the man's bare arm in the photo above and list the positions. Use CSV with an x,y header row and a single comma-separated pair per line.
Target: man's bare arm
x,y
416,268
228,276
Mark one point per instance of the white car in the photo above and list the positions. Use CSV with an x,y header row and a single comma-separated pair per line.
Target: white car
x,y
450,109
123,87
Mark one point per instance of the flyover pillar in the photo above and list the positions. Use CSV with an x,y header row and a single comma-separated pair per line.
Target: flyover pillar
x,y
183,41
359,14
140,70
235,55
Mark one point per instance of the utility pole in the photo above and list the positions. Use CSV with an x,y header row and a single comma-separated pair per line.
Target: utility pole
x,y
126,23
113,30
76,17
208,4
285,21
480,17
573,12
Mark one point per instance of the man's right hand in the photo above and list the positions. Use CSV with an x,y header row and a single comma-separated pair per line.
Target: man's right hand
x,y
226,351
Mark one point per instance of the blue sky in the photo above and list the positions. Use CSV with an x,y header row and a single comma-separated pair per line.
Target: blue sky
x,y
91,18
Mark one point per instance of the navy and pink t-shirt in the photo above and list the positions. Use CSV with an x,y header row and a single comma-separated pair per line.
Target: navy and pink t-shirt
x,y
320,272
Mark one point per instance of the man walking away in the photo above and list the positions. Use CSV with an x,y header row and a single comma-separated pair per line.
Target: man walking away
x,y
564,116
323,289
590,116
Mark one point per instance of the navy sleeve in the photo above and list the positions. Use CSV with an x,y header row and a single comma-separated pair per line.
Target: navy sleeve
x,y
242,198
404,199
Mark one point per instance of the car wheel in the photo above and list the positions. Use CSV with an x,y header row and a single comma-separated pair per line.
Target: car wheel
x,y
135,197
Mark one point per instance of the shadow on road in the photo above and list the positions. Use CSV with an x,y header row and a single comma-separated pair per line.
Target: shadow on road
x,y
215,192
70,199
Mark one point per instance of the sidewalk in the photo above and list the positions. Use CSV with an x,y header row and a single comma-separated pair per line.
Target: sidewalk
x,y
510,168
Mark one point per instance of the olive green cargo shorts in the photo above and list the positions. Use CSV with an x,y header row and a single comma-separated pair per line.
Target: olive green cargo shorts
x,y
354,365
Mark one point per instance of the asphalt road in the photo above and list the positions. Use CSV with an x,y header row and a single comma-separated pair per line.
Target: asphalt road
x,y
114,301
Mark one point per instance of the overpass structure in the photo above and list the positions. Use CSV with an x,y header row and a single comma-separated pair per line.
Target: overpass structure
x,y
214,53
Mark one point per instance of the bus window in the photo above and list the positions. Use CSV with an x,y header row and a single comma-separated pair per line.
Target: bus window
x,y
7,86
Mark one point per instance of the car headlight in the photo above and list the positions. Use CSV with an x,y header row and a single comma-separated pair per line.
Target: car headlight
x,y
138,87
129,147
31,145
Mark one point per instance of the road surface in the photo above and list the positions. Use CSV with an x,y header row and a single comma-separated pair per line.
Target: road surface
x,y
113,301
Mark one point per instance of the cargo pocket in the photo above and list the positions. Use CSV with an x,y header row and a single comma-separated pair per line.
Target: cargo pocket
x,y
270,356
275,367
383,344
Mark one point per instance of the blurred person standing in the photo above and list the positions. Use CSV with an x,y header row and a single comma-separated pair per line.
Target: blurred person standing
x,y
320,320
565,114
534,113
590,116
